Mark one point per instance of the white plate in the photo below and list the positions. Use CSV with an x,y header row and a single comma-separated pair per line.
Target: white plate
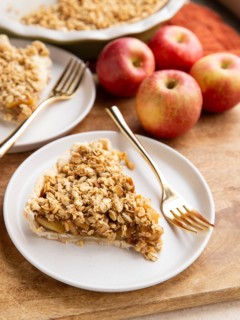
x,y
11,11
103,268
57,119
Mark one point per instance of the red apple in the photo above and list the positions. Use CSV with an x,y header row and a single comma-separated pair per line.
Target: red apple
x,y
123,64
168,103
175,47
218,76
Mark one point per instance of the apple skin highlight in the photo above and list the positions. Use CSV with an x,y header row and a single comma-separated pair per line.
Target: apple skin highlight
x,y
218,76
123,64
168,103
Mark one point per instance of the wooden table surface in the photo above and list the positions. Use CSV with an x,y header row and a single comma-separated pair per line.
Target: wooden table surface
x,y
213,145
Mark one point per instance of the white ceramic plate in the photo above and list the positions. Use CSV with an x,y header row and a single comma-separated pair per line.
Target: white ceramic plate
x,y
103,268
57,119
11,11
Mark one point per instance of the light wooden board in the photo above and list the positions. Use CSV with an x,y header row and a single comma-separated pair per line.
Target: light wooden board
x,y
213,145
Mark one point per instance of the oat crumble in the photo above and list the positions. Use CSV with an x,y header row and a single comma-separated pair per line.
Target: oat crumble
x,y
88,196
24,72
91,14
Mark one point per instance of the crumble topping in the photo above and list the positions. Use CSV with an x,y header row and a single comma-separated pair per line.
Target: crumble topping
x,y
89,196
23,75
91,14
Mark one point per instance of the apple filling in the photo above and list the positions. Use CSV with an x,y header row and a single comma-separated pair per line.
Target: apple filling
x,y
88,197
24,73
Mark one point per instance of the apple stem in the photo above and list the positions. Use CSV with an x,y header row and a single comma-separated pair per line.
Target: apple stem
x,y
137,63
181,38
225,64
171,84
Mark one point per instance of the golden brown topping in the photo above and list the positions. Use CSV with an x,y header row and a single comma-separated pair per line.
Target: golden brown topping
x,y
90,196
91,14
22,78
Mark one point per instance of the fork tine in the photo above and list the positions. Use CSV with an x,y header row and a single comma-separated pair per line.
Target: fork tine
x,y
180,224
185,222
193,220
71,76
64,76
194,214
77,79
189,220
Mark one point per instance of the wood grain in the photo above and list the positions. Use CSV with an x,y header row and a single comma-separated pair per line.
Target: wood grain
x,y
213,145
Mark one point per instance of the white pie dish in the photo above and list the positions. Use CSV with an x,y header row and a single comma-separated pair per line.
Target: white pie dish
x,y
87,42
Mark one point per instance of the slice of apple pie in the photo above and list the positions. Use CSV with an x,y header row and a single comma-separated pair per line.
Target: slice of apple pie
x,y
24,73
87,197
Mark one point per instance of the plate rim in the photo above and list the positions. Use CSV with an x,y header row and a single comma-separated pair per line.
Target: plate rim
x,y
22,147
143,285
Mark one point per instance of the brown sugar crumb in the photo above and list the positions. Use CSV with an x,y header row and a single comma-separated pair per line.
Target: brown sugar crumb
x,y
91,14
24,72
90,196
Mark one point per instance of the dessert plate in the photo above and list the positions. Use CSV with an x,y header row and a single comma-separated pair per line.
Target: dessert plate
x,y
57,119
106,268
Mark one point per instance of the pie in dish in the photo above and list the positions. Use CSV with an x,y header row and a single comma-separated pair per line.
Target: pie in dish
x,y
87,197
24,73
91,15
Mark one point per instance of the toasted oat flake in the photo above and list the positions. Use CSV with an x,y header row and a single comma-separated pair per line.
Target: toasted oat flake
x,y
89,197
24,72
91,14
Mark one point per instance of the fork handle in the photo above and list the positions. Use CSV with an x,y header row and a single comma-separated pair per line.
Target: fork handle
x,y
117,117
7,143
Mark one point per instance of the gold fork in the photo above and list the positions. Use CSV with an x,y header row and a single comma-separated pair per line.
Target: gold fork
x,y
64,89
173,206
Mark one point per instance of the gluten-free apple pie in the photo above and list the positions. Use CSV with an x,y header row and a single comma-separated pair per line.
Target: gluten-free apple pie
x,y
24,73
87,197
